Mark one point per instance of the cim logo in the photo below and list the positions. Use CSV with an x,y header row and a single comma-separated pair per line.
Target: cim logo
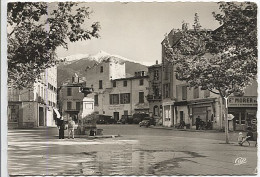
x,y
240,161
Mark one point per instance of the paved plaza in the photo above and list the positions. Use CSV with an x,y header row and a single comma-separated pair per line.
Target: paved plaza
x,y
138,151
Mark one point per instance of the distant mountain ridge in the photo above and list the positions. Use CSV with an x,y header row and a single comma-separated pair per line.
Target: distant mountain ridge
x,y
78,64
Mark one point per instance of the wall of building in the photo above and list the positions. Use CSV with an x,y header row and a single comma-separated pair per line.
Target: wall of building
x,y
116,69
112,69
29,100
155,82
64,98
133,87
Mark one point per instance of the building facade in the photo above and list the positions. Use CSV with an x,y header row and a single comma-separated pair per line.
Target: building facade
x,y
33,106
181,102
70,98
114,93
154,96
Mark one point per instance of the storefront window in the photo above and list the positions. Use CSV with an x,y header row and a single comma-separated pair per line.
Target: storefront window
x,y
243,118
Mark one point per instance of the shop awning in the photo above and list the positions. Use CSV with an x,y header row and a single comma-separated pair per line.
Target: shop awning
x,y
180,103
57,112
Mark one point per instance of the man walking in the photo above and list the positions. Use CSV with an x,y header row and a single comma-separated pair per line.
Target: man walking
x,y
71,126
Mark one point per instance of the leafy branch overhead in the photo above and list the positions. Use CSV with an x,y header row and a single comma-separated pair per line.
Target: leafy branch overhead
x,y
224,61
36,30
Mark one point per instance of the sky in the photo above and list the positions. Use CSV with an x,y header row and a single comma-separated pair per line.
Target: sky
x,y
136,30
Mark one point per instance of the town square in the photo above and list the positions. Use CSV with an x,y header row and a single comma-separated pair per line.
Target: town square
x,y
130,89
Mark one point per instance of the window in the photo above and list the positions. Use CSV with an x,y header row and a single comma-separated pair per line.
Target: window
x,y
196,92
156,91
125,83
77,105
156,75
100,84
69,92
114,98
68,105
206,93
124,98
184,92
181,115
166,90
96,100
167,72
42,93
141,97
141,82
101,69
114,83
13,113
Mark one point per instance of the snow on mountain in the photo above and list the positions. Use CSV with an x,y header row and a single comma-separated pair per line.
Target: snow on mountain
x,y
75,57
100,56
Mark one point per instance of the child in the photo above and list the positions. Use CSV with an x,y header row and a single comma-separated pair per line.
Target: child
x,y
71,126
240,138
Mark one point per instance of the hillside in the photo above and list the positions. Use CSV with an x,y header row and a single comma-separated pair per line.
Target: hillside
x,y
67,69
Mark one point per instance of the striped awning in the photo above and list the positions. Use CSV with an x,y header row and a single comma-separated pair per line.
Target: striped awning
x,y
57,112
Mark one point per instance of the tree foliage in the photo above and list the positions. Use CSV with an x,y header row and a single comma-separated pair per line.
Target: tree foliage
x,y
223,61
36,29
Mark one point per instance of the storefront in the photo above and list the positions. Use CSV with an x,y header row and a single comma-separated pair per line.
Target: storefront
x,y
168,114
204,108
244,110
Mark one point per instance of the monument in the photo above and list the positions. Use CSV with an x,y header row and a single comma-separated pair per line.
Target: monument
x,y
87,116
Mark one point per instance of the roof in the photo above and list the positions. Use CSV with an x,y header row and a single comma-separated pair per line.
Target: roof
x,y
155,66
132,78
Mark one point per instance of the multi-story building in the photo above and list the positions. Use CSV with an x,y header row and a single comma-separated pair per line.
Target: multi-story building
x,y
34,106
154,96
181,102
114,94
70,98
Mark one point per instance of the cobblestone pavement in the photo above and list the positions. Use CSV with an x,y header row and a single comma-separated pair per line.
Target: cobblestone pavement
x,y
138,151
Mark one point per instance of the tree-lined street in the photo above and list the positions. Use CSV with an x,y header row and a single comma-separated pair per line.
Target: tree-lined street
x,y
138,151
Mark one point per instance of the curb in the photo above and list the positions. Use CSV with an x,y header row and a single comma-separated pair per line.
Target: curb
x,y
188,130
92,137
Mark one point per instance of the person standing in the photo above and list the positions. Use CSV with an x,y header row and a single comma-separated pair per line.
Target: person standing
x,y
197,123
71,126
61,127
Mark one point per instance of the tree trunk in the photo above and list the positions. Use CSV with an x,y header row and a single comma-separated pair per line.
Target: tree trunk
x,y
226,119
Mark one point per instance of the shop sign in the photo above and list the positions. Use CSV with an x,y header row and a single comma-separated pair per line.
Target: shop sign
x,y
247,101
230,116
115,107
253,121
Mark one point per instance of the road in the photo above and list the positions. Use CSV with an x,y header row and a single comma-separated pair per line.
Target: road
x,y
138,151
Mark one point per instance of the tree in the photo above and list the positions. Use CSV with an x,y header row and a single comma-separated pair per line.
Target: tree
x,y
35,30
223,61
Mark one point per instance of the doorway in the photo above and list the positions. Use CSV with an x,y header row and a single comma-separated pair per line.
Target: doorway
x,y
116,116
41,116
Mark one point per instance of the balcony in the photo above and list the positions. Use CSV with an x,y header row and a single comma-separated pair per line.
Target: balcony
x,y
154,97
41,100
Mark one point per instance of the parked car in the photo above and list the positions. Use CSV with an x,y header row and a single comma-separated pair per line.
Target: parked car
x,y
138,117
145,123
105,119
148,121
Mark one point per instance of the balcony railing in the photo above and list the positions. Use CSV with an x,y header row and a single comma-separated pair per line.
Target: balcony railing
x,y
153,97
41,100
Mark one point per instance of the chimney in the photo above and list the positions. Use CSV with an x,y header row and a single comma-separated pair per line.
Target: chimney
x,y
156,62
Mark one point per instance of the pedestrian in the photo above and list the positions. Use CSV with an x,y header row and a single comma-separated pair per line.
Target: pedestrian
x,y
61,127
197,123
71,126
240,138
249,136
